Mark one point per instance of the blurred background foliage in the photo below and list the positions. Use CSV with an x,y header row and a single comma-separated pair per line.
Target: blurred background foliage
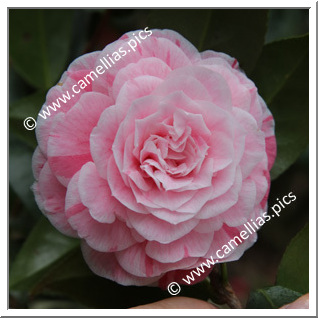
x,y
46,268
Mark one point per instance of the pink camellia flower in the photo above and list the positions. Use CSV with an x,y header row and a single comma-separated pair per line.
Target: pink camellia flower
x,y
158,162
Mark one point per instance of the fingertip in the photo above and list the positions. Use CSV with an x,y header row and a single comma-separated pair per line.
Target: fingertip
x,y
300,303
178,303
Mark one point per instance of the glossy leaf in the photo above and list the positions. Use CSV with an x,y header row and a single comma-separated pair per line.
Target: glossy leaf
x,y
44,247
188,22
39,44
271,298
293,271
239,33
20,172
73,278
98,292
27,106
19,110
278,62
282,77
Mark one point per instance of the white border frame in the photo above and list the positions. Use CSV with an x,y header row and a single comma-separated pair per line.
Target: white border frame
x,y
312,162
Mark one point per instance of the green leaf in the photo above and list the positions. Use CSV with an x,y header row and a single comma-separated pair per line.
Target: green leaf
x,y
278,62
44,248
27,106
188,22
39,44
19,110
293,271
282,77
70,276
20,172
97,292
74,279
271,298
94,292
239,33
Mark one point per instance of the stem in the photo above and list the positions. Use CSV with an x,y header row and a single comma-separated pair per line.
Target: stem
x,y
221,291
225,280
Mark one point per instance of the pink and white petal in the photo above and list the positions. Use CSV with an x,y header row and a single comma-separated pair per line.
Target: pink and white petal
x,y
102,237
134,233
271,150
239,143
120,190
240,213
213,83
193,244
215,118
240,250
84,62
164,50
50,196
263,203
151,124
136,88
268,127
240,93
222,250
187,47
102,138
260,176
182,119
160,48
135,261
170,183
268,124
221,150
156,198
172,217
270,140
68,144
154,229
223,202
105,80
208,225
146,66
209,54
189,86
254,142
96,196
256,108
223,180
131,167
221,183
64,86
139,109
197,201
203,177
106,265
253,153
44,124
38,162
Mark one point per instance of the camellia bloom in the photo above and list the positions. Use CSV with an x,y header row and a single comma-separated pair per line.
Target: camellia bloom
x,y
158,162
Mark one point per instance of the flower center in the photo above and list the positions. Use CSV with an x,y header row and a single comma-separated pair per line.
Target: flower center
x,y
171,157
